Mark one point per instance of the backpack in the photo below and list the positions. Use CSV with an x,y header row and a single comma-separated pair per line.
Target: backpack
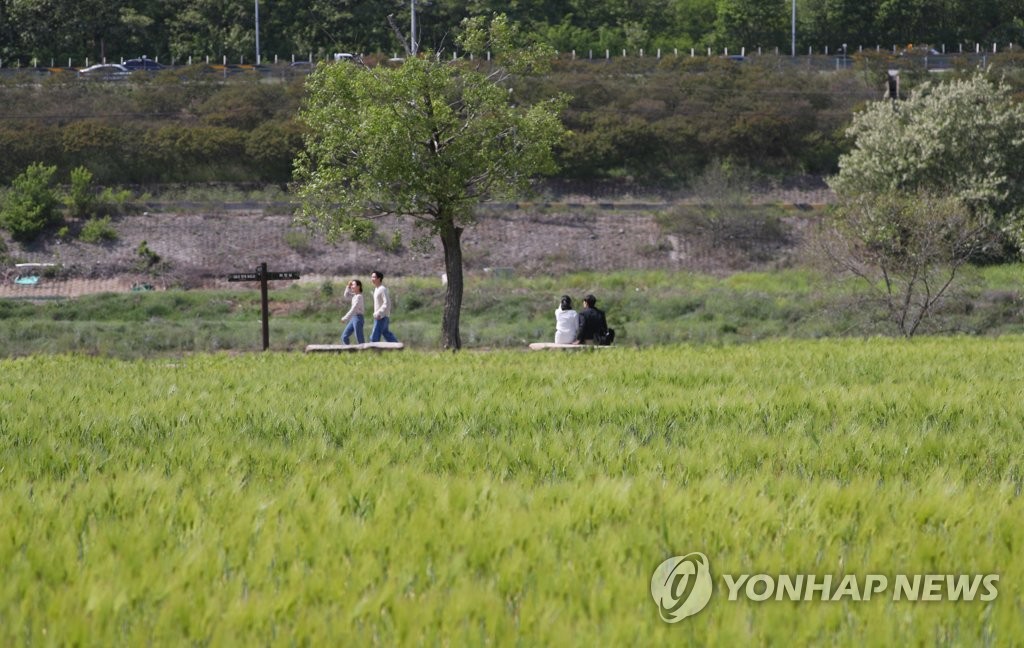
x,y
606,338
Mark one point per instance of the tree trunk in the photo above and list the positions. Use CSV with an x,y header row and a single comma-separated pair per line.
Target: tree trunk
x,y
451,239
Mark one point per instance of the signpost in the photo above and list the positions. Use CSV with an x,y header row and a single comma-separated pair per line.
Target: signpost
x,y
261,275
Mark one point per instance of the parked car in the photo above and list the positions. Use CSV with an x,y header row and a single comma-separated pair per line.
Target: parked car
x,y
105,71
142,64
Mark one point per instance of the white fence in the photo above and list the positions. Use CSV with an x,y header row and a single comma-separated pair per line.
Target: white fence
x,y
739,53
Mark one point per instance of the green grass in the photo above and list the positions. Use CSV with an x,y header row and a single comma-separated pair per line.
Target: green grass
x,y
645,308
507,497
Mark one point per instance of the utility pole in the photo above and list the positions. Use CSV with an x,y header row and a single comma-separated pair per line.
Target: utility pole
x,y
792,42
258,32
412,28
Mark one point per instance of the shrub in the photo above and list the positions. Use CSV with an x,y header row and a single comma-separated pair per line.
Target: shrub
x,y
298,240
31,204
81,199
98,230
91,140
25,143
115,201
148,259
244,106
727,222
271,147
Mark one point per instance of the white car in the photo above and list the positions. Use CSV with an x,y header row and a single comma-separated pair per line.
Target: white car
x,y
105,71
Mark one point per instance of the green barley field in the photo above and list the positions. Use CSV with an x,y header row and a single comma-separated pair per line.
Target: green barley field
x,y
509,498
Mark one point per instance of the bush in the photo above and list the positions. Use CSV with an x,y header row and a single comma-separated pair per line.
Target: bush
x,y
31,204
298,240
727,222
147,258
115,201
271,147
81,200
98,230
25,143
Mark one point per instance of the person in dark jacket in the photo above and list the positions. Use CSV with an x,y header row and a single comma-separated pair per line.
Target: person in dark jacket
x,y
592,324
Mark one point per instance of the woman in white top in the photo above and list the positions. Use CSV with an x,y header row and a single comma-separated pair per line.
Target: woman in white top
x,y
354,316
565,322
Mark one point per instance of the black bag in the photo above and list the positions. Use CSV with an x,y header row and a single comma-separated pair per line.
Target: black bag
x,y
606,338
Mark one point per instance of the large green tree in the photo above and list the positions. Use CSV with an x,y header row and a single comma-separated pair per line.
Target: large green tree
x,y
752,23
931,184
429,139
963,139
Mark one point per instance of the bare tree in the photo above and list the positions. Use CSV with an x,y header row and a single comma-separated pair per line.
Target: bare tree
x,y
909,250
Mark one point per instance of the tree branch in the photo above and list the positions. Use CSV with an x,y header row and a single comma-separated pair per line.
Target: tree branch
x,y
399,35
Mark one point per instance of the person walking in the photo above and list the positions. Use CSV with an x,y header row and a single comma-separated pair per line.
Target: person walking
x,y
381,309
354,316
593,328
565,322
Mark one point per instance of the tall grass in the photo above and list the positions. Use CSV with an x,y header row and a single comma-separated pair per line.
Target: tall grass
x,y
508,498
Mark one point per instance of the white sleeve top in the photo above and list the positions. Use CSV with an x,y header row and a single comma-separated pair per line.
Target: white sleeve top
x,y
565,326
357,305
381,302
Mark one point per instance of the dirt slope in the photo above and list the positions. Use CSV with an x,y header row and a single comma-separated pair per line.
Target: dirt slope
x,y
200,249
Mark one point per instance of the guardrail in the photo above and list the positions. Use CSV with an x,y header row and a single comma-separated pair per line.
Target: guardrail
x,y
824,60
974,50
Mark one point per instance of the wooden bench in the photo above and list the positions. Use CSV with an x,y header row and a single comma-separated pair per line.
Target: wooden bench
x,y
551,346
349,348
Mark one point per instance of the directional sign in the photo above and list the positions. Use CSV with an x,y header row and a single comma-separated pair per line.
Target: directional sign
x,y
261,275
283,275
255,276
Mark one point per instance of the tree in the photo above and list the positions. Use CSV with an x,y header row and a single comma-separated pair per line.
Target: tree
x,y
81,197
429,140
831,22
726,223
931,183
32,204
213,27
908,248
751,23
963,139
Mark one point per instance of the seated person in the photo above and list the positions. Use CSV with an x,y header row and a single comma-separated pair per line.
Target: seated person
x,y
565,322
593,328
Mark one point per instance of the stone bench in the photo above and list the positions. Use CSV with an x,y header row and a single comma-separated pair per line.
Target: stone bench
x,y
348,348
551,346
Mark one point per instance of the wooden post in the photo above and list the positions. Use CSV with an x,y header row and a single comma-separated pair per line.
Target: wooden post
x,y
264,304
261,275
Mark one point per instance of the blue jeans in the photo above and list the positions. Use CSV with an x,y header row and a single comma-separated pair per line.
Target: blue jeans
x,y
380,329
354,324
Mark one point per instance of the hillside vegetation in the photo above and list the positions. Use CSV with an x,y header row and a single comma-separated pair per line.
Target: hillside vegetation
x,y
635,122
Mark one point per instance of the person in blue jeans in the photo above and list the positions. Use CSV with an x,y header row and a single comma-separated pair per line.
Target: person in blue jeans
x,y
381,309
354,316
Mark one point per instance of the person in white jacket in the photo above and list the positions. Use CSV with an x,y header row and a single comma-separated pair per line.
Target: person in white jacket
x,y
566,322
354,316
381,309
